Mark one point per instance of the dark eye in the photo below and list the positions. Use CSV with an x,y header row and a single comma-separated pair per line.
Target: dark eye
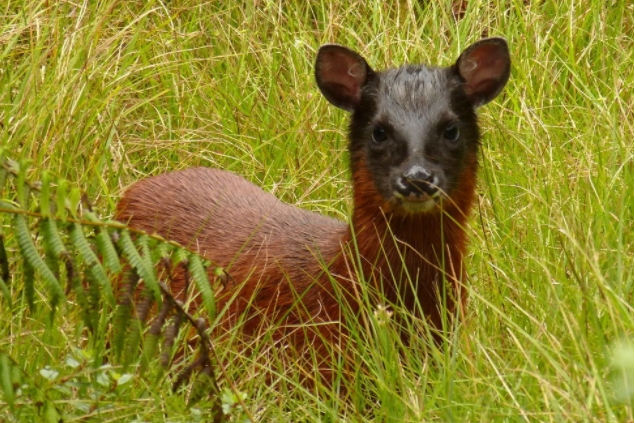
x,y
451,132
379,134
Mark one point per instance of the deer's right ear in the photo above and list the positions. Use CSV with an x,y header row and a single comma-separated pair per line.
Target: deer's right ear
x,y
341,74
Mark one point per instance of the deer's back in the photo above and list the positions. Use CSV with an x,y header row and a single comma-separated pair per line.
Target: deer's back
x,y
275,252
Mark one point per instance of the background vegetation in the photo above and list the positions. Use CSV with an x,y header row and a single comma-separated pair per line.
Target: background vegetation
x,y
106,93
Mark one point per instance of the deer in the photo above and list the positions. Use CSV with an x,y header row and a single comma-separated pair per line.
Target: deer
x,y
413,143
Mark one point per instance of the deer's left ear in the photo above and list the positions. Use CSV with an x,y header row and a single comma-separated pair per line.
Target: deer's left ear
x,y
485,67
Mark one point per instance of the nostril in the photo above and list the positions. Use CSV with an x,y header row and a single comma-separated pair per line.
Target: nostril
x,y
423,183
417,181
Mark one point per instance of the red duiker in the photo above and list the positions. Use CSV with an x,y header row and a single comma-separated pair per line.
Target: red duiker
x,y
414,143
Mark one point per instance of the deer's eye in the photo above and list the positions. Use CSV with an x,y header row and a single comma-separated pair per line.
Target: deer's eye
x,y
379,134
451,132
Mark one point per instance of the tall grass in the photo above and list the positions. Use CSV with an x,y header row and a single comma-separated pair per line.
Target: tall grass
x,y
105,93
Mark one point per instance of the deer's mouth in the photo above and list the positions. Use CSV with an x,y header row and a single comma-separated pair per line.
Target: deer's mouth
x,y
417,203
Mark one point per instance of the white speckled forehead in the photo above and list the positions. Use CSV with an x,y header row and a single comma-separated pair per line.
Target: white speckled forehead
x,y
414,92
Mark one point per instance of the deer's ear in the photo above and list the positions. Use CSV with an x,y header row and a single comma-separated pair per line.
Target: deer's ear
x,y
341,74
485,67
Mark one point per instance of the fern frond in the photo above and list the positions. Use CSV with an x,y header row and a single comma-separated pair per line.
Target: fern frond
x,y
81,298
51,237
105,266
107,250
91,260
32,256
146,272
143,243
104,242
123,311
28,274
198,273
133,340
53,245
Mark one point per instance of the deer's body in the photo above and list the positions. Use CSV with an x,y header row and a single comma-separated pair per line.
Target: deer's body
x,y
269,248
413,144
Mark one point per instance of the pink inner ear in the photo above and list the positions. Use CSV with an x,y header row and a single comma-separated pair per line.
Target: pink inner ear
x,y
341,69
483,63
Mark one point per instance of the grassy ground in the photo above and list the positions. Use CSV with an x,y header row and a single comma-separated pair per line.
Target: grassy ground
x,y
105,93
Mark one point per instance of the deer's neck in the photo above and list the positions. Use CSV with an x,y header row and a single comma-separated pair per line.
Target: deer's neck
x,y
413,259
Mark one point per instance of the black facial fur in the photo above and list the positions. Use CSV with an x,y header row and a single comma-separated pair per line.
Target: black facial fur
x,y
414,106
414,127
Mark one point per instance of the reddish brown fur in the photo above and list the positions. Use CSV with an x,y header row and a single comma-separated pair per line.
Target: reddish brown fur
x,y
272,250
277,253
432,245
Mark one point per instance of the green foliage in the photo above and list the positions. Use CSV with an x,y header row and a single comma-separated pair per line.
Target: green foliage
x,y
93,264
103,94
